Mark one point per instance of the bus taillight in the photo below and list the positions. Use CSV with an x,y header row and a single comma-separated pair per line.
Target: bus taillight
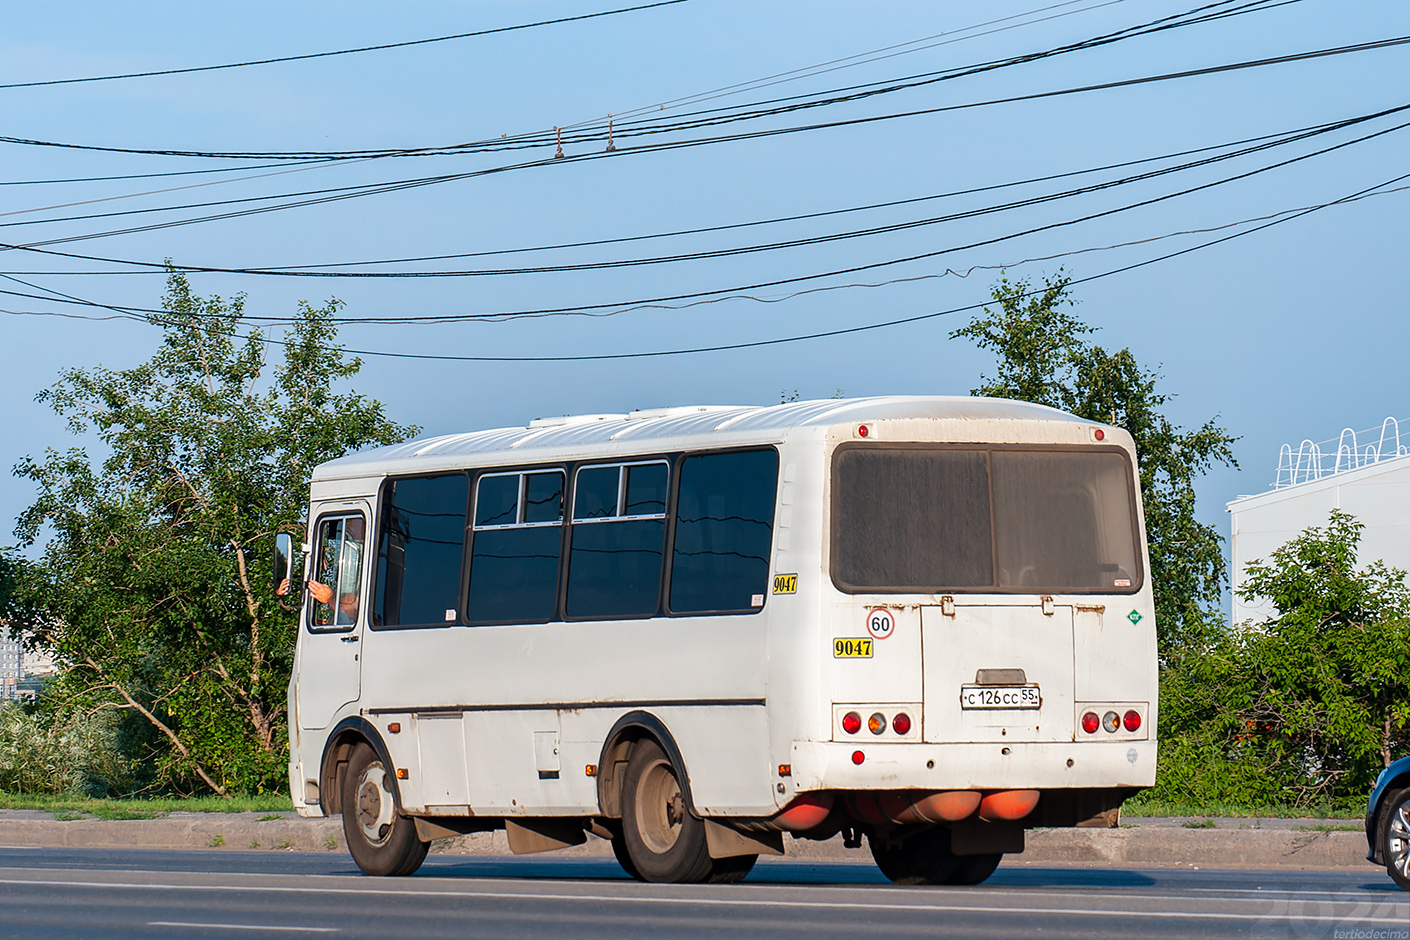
x,y
901,724
1090,722
1132,720
876,723
851,722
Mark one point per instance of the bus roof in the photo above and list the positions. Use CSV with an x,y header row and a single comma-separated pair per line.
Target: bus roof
x,y
664,429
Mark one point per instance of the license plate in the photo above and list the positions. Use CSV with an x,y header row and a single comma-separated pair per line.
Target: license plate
x,y
1000,696
847,648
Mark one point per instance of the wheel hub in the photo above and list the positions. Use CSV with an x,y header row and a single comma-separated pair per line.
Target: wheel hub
x,y
375,806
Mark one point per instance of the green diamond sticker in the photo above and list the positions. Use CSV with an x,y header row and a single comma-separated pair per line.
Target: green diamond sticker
x,y
1134,616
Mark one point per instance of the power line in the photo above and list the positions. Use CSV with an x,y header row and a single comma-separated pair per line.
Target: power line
x,y
163,267
338,52
1296,214
717,295
1262,143
835,96
340,193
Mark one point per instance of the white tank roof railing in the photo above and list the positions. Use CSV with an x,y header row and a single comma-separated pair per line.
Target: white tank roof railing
x,y
1314,460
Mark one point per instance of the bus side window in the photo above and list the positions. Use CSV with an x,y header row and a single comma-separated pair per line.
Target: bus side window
x,y
618,541
517,541
419,551
337,565
724,529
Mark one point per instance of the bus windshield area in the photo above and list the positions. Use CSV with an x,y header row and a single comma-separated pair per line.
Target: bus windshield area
x,y
931,519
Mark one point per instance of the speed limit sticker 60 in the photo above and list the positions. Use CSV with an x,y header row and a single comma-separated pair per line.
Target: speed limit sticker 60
x,y
880,623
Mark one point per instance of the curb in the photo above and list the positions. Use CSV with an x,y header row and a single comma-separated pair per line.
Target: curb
x,y
1140,846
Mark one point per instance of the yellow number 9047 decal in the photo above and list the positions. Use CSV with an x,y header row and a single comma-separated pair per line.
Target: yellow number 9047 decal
x,y
850,648
785,584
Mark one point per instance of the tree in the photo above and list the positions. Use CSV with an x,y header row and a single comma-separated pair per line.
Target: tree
x,y
155,576
1308,706
1045,358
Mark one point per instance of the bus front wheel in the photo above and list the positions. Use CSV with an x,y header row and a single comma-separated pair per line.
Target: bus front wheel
x,y
664,842
381,840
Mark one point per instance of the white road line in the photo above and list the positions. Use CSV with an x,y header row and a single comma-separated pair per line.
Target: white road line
x,y
1350,917
181,923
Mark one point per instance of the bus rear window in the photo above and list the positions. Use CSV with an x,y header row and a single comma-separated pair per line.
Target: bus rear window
x,y
936,519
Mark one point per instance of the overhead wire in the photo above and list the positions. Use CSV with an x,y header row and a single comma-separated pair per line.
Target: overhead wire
x,y
711,117
341,193
885,324
339,52
697,298
1264,143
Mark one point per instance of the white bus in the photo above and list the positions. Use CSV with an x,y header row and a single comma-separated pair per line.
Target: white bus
x,y
923,621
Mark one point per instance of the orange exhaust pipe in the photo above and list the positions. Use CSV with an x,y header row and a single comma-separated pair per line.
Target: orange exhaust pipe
x,y
1007,804
806,812
904,807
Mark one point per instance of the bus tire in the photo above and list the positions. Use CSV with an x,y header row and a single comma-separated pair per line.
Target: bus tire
x,y
919,858
382,841
663,841
728,871
975,869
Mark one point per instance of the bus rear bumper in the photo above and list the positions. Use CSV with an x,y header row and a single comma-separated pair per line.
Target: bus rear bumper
x,y
819,765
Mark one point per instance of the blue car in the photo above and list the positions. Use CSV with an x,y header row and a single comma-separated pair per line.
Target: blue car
x,y
1388,822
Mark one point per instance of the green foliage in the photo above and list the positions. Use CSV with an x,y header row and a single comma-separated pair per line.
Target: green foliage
x,y
1045,358
1307,707
154,588
82,756
143,807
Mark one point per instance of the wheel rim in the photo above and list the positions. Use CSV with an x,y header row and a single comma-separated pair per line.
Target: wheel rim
x,y
375,806
1398,840
660,807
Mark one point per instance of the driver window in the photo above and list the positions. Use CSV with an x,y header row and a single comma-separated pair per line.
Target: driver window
x,y
335,592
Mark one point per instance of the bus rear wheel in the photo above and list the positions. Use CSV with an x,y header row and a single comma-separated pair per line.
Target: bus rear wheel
x,y
919,858
663,841
382,841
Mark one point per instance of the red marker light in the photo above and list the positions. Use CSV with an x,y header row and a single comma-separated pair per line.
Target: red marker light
x,y
858,757
901,724
851,722
1099,434
863,431
1090,722
1131,720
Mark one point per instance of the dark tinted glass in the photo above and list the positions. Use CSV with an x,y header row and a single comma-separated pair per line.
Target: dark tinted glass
x,y
913,519
614,569
646,490
1063,520
514,575
596,496
420,551
497,500
543,497
724,527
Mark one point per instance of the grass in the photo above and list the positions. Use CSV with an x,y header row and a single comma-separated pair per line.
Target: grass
x,y
1201,824
1330,828
74,807
1207,808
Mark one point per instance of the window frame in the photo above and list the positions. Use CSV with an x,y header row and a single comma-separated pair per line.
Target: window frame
x,y
462,583
363,580
471,530
1138,578
673,522
667,515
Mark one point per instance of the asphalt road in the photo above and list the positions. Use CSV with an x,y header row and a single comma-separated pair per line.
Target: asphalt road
x,y
226,894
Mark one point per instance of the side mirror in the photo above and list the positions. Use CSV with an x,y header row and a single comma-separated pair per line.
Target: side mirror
x,y
284,573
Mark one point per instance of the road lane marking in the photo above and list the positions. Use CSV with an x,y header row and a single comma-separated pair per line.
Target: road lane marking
x,y
736,902
180,923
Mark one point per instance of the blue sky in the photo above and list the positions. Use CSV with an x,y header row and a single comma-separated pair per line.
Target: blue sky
x,y
1284,334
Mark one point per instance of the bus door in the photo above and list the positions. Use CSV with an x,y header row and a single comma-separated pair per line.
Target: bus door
x,y
998,672
330,648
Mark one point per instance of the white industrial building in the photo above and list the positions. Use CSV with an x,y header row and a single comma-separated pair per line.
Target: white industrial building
x,y
1368,478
